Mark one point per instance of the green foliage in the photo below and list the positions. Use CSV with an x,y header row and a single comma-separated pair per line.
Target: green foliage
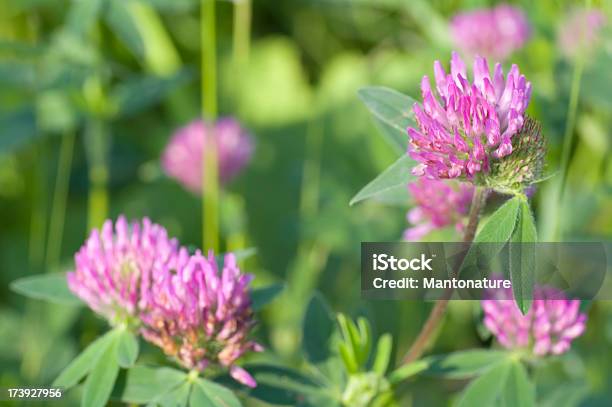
x,y
127,348
280,385
513,223
522,257
63,62
383,354
260,297
487,388
143,92
393,113
49,287
144,384
319,327
500,225
390,185
85,362
207,393
519,390
101,379
505,384
456,365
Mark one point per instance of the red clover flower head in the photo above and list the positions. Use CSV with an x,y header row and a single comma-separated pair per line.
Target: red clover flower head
x,y
200,316
494,33
114,265
438,204
467,127
182,157
548,328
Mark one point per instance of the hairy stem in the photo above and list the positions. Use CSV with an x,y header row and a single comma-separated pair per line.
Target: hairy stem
x,y
435,317
210,179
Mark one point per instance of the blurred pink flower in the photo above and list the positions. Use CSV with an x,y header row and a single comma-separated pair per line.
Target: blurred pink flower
x,y
201,316
473,125
438,204
113,267
549,327
580,31
182,157
493,33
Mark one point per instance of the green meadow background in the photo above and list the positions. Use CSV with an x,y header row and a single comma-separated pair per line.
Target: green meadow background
x,y
131,72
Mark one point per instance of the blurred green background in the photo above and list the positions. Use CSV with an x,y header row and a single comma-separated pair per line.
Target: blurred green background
x,y
83,82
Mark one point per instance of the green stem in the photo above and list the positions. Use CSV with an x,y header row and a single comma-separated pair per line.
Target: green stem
x,y
309,193
570,123
210,179
572,111
37,220
430,327
242,31
60,196
97,147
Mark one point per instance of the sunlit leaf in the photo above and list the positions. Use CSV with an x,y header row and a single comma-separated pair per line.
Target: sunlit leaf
x,y
177,397
487,388
522,257
391,182
495,233
519,390
382,356
49,287
100,381
84,362
207,393
408,370
127,351
123,25
464,364
143,384
393,111
501,223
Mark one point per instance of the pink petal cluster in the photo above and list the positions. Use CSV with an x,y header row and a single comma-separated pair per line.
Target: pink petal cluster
x,y
580,31
549,327
135,274
182,157
494,33
438,204
201,316
467,125
113,264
